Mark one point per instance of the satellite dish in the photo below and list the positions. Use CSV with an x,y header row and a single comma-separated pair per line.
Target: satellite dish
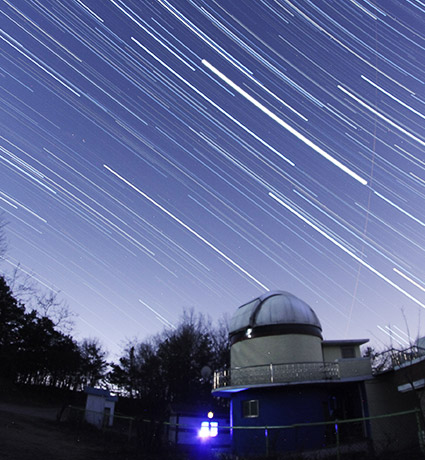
x,y
206,372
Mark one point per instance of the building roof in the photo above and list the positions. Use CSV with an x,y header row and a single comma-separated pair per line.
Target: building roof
x,y
274,308
342,342
101,392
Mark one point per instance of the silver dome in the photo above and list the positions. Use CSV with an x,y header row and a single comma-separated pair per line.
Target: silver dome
x,y
273,308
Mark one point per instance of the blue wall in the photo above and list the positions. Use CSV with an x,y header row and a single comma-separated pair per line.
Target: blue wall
x,y
287,406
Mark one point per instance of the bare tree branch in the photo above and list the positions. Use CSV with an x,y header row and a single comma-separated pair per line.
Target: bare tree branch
x,y
57,310
45,303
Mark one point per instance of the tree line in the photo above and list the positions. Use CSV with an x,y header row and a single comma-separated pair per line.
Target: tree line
x,y
174,366
36,348
34,351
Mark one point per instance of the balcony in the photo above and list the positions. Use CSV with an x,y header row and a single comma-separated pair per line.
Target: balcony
x,y
291,373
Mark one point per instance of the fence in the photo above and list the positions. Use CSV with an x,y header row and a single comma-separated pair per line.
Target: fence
x,y
116,424
367,437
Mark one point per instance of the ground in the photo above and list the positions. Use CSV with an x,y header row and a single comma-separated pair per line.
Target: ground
x,y
32,433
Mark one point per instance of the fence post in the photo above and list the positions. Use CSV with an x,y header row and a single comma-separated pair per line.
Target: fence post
x,y
420,432
266,435
130,427
337,440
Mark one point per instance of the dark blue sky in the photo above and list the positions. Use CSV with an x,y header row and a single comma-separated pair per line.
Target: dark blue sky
x,y
162,155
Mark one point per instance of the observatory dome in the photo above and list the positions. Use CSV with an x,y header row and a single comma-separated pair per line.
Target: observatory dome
x,y
274,313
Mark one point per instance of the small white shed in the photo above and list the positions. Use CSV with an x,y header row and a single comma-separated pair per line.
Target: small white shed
x,y
100,406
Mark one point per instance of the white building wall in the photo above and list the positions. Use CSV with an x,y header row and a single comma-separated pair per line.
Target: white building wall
x,y
94,410
277,349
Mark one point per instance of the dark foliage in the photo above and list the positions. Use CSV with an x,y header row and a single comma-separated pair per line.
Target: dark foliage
x,y
168,368
12,321
33,351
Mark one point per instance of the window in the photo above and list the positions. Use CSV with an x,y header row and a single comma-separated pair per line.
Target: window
x,y
250,408
348,352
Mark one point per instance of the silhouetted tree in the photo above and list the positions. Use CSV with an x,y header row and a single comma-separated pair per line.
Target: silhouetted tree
x,y
167,368
47,356
46,303
183,352
33,351
12,319
221,345
126,374
93,364
65,358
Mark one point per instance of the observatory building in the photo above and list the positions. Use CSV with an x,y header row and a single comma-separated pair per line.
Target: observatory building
x,y
283,373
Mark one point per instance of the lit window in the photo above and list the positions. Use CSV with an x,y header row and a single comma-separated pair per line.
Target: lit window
x,y
208,430
250,408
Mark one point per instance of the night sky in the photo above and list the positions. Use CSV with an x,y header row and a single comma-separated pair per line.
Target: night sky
x,y
158,155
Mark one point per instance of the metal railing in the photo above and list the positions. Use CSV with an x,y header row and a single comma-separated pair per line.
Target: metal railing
x,y
276,373
393,358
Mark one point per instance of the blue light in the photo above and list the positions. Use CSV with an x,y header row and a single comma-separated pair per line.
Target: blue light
x,y
208,430
204,432
213,429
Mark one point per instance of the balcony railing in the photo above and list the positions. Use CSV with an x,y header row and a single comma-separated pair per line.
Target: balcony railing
x,y
293,372
393,359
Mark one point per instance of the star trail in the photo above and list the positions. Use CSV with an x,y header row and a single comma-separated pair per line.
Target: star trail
x,y
159,155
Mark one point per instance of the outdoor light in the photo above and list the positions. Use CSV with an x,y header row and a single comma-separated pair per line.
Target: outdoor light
x,y
213,429
210,414
248,332
204,432
208,430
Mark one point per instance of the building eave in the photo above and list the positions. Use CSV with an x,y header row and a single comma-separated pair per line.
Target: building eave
x,y
344,342
226,392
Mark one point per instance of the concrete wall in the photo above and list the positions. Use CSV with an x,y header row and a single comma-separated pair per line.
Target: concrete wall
x,y
289,348
395,433
333,352
354,367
